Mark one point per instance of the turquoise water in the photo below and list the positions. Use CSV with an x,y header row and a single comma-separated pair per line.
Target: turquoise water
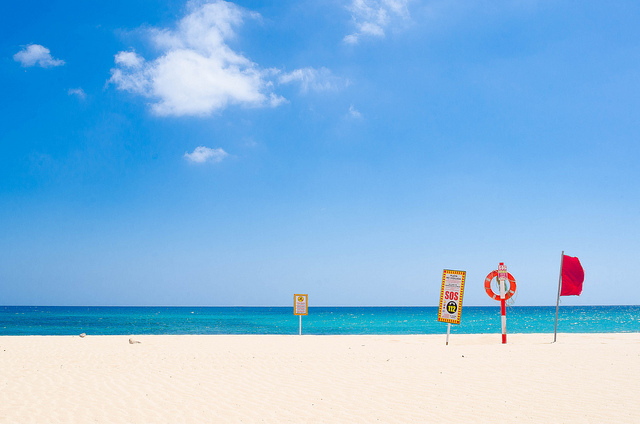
x,y
32,320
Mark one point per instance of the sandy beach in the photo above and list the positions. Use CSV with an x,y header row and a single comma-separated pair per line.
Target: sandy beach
x,y
582,378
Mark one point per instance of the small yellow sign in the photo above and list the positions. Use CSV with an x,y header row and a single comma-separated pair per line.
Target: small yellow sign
x,y
300,304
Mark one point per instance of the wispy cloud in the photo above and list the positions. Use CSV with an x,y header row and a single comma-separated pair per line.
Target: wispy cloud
x,y
36,55
202,154
197,72
354,113
77,92
129,60
312,79
372,18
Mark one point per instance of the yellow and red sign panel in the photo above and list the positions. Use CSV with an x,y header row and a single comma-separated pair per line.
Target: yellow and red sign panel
x,y
300,304
451,296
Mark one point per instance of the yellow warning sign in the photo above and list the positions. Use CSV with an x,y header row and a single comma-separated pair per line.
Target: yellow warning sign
x,y
300,304
451,296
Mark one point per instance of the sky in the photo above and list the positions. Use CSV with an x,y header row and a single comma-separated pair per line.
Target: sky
x,y
235,153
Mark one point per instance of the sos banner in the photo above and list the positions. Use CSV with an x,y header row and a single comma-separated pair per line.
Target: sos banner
x,y
451,296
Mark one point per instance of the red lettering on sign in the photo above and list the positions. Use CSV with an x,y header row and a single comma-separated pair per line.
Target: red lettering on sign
x,y
451,295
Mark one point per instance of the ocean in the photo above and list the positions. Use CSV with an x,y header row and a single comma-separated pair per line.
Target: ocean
x,y
52,320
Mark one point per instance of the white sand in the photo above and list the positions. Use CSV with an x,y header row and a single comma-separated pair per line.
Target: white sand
x,y
583,378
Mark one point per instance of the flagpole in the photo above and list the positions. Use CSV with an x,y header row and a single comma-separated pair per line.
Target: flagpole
x,y
555,329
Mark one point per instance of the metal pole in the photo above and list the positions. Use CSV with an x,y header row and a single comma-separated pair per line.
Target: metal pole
x,y
555,328
300,327
448,331
503,311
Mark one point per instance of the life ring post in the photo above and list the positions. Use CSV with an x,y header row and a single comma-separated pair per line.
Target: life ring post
x,y
503,295
502,277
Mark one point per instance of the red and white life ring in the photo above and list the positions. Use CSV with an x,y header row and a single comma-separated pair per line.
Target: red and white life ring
x,y
489,290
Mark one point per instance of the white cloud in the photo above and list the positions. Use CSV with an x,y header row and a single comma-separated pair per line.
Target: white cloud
x,y
372,17
312,79
77,92
354,113
197,72
275,100
351,39
129,59
35,54
202,154
131,76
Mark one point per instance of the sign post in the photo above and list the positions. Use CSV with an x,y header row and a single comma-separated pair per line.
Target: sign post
x,y
300,307
451,293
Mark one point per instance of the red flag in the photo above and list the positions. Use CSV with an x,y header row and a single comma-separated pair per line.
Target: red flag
x,y
572,276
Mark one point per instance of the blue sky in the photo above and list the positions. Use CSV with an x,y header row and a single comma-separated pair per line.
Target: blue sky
x,y
212,153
